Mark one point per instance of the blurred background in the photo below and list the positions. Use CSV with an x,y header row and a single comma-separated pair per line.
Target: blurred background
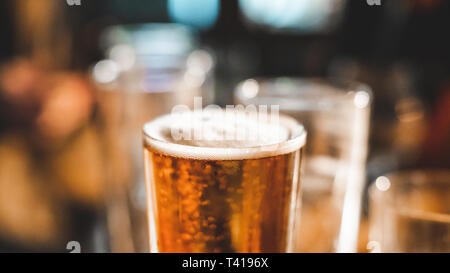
x,y
78,78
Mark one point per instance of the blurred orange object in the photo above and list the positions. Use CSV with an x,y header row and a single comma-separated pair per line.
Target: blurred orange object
x,y
50,158
20,80
66,106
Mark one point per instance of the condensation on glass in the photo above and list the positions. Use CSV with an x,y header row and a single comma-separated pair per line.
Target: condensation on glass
x,y
222,196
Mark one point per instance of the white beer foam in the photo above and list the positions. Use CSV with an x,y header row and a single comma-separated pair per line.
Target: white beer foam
x,y
223,135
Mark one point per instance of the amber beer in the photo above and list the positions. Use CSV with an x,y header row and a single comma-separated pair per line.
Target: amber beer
x,y
223,195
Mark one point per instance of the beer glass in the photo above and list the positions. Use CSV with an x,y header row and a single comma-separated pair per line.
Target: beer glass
x,y
410,212
336,115
215,194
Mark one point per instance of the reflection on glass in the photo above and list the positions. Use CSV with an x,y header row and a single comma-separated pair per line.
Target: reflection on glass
x,y
336,116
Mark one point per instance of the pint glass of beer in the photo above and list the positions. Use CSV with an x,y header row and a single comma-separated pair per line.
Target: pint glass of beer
x,y
220,181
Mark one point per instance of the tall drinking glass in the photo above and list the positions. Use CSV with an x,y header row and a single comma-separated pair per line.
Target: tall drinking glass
x,y
336,116
150,69
410,212
218,193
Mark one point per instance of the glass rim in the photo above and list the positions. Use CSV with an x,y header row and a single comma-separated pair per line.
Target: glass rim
x,y
348,89
295,142
384,195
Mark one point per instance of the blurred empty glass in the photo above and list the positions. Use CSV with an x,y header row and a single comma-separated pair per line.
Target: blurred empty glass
x,y
336,116
149,69
410,212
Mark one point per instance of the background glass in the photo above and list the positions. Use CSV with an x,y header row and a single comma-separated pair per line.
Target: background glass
x,y
410,212
150,68
336,116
